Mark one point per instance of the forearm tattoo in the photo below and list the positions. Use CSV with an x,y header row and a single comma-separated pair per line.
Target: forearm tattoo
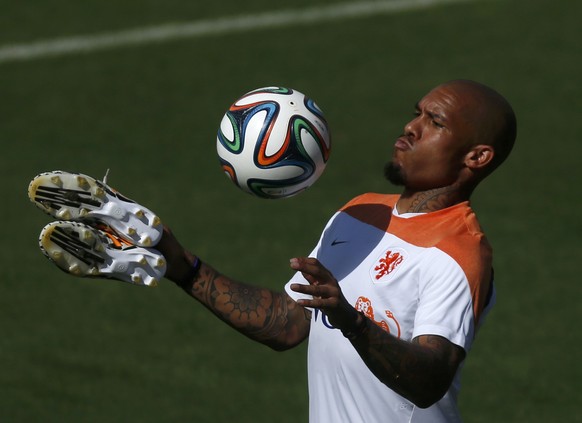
x,y
419,371
259,313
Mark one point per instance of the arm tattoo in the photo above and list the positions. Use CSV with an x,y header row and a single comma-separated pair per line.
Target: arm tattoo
x,y
421,370
261,314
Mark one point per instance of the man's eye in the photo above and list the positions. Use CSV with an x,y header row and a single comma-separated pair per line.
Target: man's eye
x,y
437,124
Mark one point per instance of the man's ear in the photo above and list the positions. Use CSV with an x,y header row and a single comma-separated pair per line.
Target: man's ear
x,y
479,157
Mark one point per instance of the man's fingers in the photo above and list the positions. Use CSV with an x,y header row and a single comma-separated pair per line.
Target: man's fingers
x,y
310,266
314,303
323,287
323,296
320,298
313,290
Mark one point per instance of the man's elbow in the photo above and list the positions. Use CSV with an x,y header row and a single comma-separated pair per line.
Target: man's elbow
x,y
429,398
278,347
284,344
425,402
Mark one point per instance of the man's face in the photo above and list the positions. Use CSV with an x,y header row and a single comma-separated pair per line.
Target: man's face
x,y
430,153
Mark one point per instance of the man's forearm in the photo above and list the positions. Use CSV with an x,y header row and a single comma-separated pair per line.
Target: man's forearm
x,y
263,315
421,371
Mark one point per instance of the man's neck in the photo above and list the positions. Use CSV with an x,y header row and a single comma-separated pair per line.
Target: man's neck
x,y
430,200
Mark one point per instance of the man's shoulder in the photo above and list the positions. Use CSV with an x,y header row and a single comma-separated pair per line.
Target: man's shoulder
x,y
373,198
457,223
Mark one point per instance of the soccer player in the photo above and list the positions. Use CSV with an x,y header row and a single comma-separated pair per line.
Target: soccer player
x,y
394,291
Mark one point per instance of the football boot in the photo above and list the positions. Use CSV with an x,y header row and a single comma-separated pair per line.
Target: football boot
x,y
98,252
76,197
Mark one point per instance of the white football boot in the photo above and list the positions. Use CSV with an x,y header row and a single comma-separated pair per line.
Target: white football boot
x,y
76,197
92,252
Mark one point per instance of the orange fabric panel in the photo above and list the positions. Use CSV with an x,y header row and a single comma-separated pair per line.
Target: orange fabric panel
x,y
454,230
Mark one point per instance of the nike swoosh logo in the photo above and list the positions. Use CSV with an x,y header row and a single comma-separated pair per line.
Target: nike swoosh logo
x,y
336,242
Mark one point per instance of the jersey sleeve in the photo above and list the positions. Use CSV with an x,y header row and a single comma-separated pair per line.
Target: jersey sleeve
x,y
445,305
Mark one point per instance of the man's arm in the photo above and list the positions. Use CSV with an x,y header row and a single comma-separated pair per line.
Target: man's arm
x,y
421,370
269,317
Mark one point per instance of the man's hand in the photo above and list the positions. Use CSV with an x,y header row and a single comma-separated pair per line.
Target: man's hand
x,y
326,292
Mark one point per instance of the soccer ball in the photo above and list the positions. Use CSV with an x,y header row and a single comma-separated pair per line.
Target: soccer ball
x,y
273,142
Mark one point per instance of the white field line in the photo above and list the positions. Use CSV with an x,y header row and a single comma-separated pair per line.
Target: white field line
x,y
196,29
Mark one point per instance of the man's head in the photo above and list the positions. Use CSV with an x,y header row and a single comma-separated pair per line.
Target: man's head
x,y
461,132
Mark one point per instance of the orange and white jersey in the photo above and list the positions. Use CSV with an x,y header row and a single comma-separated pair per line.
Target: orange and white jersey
x,y
412,275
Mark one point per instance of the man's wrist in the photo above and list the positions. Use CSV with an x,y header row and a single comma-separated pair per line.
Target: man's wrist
x,y
359,327
187,279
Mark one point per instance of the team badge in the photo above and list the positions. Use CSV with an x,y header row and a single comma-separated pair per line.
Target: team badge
x,y
386,265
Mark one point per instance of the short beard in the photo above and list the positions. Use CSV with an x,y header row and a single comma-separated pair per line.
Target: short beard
x,y
394,174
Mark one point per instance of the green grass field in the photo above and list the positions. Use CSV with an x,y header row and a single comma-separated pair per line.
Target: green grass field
x,y
74,350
